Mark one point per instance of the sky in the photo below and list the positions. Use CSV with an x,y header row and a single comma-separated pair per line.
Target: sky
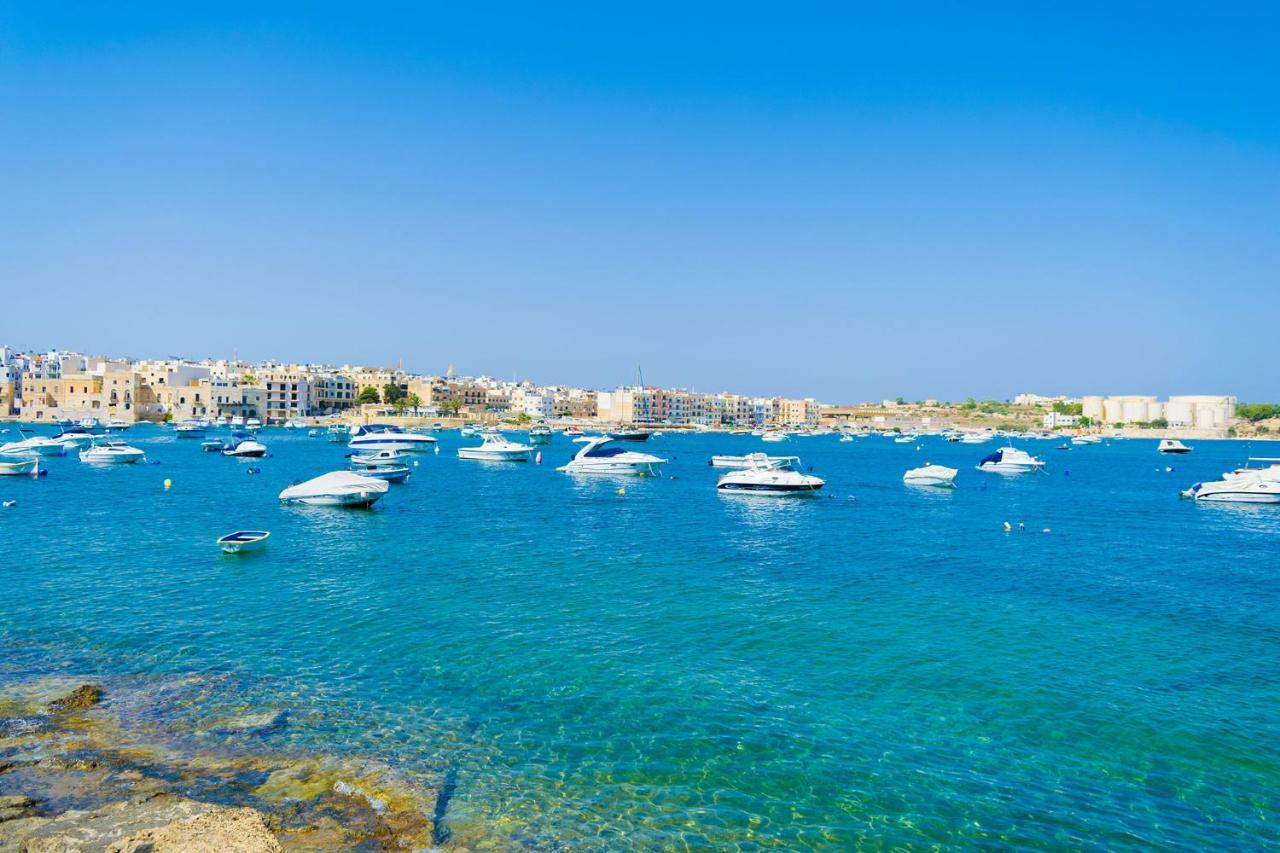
x,y
843,201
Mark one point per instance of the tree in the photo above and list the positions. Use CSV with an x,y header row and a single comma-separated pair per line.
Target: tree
x,y
1068,408
1160,423
412,401
368,395
970,404
523,418
248,379
451,407
1085,422
391,392
900,401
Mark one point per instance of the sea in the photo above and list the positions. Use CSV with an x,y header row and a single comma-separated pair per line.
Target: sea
x,y
645,663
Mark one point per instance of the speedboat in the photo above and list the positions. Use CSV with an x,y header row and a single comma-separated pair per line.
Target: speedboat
x,y
237,422
243,540
111,452
379,457
75,437
780,476
117,425
338,433
1010,460
931,475
976,437
540,434
603,455
572,432
190,429
1172,445
252,424
294,423
1270,472
248,448
367,437
212,445
468,430
1086,439
392,472
338,488
906,439
497,447
1237,490
20,467
739,462
847,437
92,425
630,434
33,445
773,435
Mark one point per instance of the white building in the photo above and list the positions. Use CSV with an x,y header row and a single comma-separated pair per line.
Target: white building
x,y
1054,420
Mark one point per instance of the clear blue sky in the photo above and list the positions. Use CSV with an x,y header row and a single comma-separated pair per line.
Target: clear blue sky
x,y
847,203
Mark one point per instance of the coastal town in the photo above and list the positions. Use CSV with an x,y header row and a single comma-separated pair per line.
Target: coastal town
x,y
59,386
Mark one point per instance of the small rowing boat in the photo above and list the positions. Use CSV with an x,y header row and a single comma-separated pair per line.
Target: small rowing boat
x,y
243,540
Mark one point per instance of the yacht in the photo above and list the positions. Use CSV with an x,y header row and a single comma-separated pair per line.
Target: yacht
x,y
540,434
338,488
236,422
367,437
252,424
1270,472
497,447
1010,460
379,457
92,425
338,433
33,445
572,432
111,452
909,438
739,462
117,425
778,476
1237,490
294,423
189,429
1172,445
13,467
773,436
469,430
604,455
931,475
246,447
1086,439
976,437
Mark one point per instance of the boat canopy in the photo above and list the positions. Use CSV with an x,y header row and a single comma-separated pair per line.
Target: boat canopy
x,y
994,457
334,483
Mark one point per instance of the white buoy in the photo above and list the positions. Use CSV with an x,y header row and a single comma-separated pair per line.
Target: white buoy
x,y
168,484
437,449
537,460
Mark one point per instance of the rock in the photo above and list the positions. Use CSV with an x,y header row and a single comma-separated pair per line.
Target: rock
x,y
227,831
97,829
84,696
16,806
251,724
12,832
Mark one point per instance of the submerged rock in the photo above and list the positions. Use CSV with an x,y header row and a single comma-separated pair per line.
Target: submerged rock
x,y
16,806
251,724
84,696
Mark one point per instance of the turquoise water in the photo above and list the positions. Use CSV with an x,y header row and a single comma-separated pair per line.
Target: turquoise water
x,y
676,668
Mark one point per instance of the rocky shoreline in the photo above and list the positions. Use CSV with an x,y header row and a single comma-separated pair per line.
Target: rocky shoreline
x,y
88,765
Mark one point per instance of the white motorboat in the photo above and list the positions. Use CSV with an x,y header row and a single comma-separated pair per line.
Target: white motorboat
x,y
236,422
338,488
572,432
379,457
370,437
248,448
92,425
1237,490
497,447
1271,471
540,434
773,436
1010,460
73,438
778,476
20,467
252,424
908,438
213,445
603,455
469,430
117,425
1172,445
33,445
189,429
389,471
243,541
976,437
294,423
1081,440
111,452
338,433
740,462
931,475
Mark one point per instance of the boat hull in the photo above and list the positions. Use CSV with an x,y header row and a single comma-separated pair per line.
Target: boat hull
x,y
357,500
390,473
942,482
478,453
27,468
769,489
604,466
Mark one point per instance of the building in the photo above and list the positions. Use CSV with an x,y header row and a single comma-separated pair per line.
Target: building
x,y
1056,420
